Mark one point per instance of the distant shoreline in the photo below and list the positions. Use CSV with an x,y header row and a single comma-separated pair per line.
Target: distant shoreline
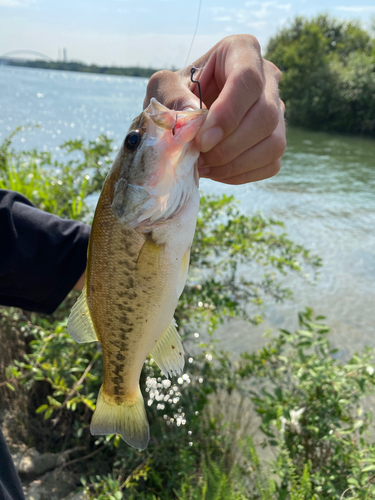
x,y
84,68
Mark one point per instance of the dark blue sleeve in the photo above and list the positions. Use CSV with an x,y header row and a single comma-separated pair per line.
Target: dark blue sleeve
x,y
10,485
41,255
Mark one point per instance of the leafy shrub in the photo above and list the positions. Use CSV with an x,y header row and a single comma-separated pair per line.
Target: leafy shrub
x,y
295,383
309,403
56,186
328,74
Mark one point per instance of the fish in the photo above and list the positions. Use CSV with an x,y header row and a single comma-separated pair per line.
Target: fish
x,y
137,264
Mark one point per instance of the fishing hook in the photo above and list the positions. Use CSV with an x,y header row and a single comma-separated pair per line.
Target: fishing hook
x,y
192,71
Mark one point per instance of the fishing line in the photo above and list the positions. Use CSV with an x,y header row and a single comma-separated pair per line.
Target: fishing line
x,y
188,55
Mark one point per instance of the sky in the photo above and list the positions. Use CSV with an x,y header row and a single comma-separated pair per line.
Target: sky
x,y
152,33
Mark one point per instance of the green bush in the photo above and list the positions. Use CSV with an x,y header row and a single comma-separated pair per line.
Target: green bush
x,y
56,186
200,445
310,405
328,74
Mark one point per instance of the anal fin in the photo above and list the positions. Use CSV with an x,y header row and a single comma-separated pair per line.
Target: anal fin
x,y
169,353
80,325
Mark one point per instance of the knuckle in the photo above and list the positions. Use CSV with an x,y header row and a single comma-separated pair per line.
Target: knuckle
x,y
251,78
282,106
271,115
230,170
232,121
244,40
222,154
274,70
279,145
274,168
249,40
157,79
253,41
224,171
161,75
166,87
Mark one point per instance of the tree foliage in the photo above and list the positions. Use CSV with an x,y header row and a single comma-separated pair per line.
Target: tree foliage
x,y
328,74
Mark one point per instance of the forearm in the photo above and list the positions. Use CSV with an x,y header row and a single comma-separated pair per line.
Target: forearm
x,y
42,257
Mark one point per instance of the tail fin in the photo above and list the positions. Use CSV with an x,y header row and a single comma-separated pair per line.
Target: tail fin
x,y
127,418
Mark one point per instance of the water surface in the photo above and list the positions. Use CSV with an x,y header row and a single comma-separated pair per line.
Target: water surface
x,y
325,191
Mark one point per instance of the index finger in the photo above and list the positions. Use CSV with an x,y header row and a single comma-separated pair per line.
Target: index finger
x,y
237,67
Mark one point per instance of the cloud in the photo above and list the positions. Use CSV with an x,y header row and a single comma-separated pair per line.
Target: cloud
x,y
10,3
17,3
285,6
264,10
356,8
223,18
253,9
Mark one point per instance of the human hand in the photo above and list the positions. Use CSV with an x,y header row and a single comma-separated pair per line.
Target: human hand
x,y
243,137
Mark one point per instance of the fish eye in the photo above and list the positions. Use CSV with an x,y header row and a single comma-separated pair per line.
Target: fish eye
x,y
132,140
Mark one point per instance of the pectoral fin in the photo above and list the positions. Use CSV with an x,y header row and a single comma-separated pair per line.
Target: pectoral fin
x,y
169,353
150,258
80,325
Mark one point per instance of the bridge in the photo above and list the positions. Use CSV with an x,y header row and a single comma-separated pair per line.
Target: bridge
x,y
9,55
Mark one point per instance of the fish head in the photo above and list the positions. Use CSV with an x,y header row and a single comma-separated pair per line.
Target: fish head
x,y
156,166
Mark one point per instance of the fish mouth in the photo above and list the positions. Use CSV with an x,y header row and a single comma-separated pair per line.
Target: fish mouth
x,y
183,125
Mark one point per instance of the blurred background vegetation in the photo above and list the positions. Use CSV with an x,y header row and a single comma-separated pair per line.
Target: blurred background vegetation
x,y
328,70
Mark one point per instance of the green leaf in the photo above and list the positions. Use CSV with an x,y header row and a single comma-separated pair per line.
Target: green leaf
x,y
89,403
53,402
48,413
41,409
353,481
368,468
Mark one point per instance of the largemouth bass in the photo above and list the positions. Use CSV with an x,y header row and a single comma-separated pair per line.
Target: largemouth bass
x,y
138,259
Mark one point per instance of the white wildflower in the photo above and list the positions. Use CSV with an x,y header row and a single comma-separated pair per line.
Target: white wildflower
x,y
295,415
283,421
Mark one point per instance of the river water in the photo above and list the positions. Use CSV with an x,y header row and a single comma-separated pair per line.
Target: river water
x,y
325,192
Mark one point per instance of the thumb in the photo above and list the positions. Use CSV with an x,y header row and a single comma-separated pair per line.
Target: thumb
x,y
170,89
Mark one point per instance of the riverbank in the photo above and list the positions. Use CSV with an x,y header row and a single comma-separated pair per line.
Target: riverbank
x,y
83,68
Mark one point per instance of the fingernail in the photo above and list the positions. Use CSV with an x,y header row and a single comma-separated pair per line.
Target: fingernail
x,y
201,162
210,138
204,171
